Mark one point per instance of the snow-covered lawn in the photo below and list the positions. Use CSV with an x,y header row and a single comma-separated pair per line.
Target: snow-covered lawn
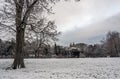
x,y
81,68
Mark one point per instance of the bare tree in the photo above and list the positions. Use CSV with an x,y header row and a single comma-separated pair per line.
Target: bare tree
x,y
112,43
25,13
20,15
42,35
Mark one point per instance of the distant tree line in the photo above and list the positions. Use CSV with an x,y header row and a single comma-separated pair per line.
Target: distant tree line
x,y
109,47
7,48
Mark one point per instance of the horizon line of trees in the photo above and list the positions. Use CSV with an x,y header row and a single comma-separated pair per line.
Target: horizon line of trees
x,y
109,47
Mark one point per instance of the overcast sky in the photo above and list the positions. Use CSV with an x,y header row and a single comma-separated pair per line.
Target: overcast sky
x,y
86,21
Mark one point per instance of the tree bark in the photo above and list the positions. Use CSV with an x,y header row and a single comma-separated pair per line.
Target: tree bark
x,y
20,32
19,55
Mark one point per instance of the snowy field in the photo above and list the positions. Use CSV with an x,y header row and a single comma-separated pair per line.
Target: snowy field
x,y
81,68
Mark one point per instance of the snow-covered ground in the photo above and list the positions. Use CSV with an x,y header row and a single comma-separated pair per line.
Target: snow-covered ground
x,y
81,68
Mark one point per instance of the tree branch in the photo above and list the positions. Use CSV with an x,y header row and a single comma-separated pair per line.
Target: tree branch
x,y
27,13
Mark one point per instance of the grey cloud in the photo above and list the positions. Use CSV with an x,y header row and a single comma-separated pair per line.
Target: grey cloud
x,y
84,12
87,21
92,33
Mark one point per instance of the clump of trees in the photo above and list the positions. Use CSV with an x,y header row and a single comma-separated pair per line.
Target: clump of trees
x,y
7,49
112,44
110,47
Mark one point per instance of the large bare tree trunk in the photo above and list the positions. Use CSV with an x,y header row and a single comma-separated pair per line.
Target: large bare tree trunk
x,y
20,32
19,55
